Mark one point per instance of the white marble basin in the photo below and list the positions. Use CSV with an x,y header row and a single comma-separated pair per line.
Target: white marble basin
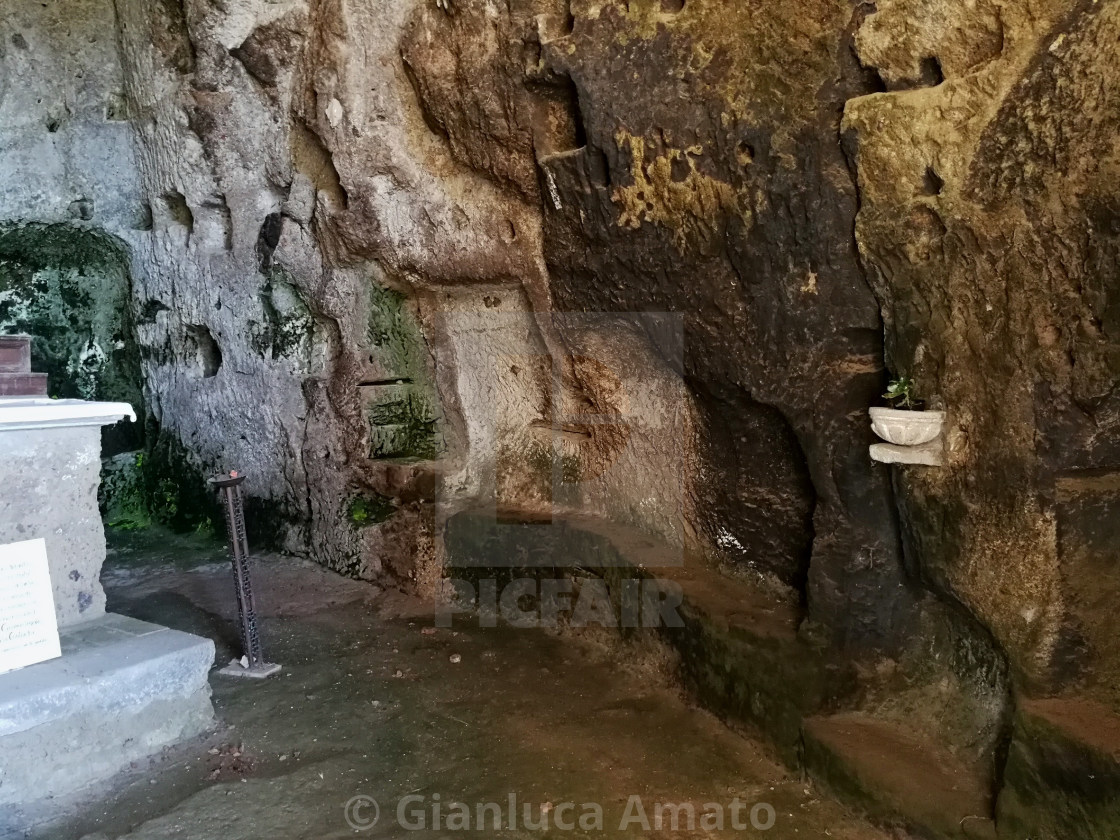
x,y
906,428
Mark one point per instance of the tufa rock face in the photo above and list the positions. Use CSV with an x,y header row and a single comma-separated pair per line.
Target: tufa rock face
x,y
637,259
717,190
985,228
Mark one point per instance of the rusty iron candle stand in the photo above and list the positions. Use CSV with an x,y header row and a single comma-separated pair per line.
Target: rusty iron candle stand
x,y
252,664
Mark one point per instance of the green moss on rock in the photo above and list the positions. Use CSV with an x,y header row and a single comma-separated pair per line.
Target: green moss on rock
x,y
403,411
404,423
120,495
163,484
69,288
370,509
395,335
175,485
288,330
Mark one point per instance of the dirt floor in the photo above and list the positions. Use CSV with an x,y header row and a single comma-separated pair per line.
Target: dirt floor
x,y
375,702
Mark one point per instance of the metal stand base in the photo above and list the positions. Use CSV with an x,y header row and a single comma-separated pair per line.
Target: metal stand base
x,y
257,672
252,664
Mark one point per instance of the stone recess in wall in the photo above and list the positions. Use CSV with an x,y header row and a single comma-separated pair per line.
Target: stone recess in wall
x,y
69,287
702,214
401,404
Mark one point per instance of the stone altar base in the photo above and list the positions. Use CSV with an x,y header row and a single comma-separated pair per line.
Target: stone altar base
x,y
122,690
49,479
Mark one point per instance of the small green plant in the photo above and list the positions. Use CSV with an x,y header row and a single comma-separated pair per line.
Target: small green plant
x,y
121,495
370,509
125,524
165,501
900,393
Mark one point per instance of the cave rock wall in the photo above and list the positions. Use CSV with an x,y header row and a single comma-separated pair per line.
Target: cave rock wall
x,y
645,259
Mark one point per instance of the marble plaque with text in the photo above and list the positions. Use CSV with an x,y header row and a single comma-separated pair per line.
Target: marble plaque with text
x,y
28,628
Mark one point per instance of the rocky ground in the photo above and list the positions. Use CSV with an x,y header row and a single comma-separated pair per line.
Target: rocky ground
x,y
375,701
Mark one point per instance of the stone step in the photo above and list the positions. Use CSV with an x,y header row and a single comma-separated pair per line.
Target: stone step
x,y
740,651
23,385
899,778
1062,777
121,691
15,354
743,656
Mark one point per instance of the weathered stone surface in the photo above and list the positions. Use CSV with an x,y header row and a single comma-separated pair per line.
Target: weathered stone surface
x,y
718,191
984,226
370,244
122,690
1063,770
50,479
428,187
67,151
898,779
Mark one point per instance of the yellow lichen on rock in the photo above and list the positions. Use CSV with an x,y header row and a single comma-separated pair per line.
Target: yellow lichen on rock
x,y
691,204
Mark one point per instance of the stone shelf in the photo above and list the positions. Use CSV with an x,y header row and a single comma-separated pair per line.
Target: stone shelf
x,y
928,454
1063,771
900,777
